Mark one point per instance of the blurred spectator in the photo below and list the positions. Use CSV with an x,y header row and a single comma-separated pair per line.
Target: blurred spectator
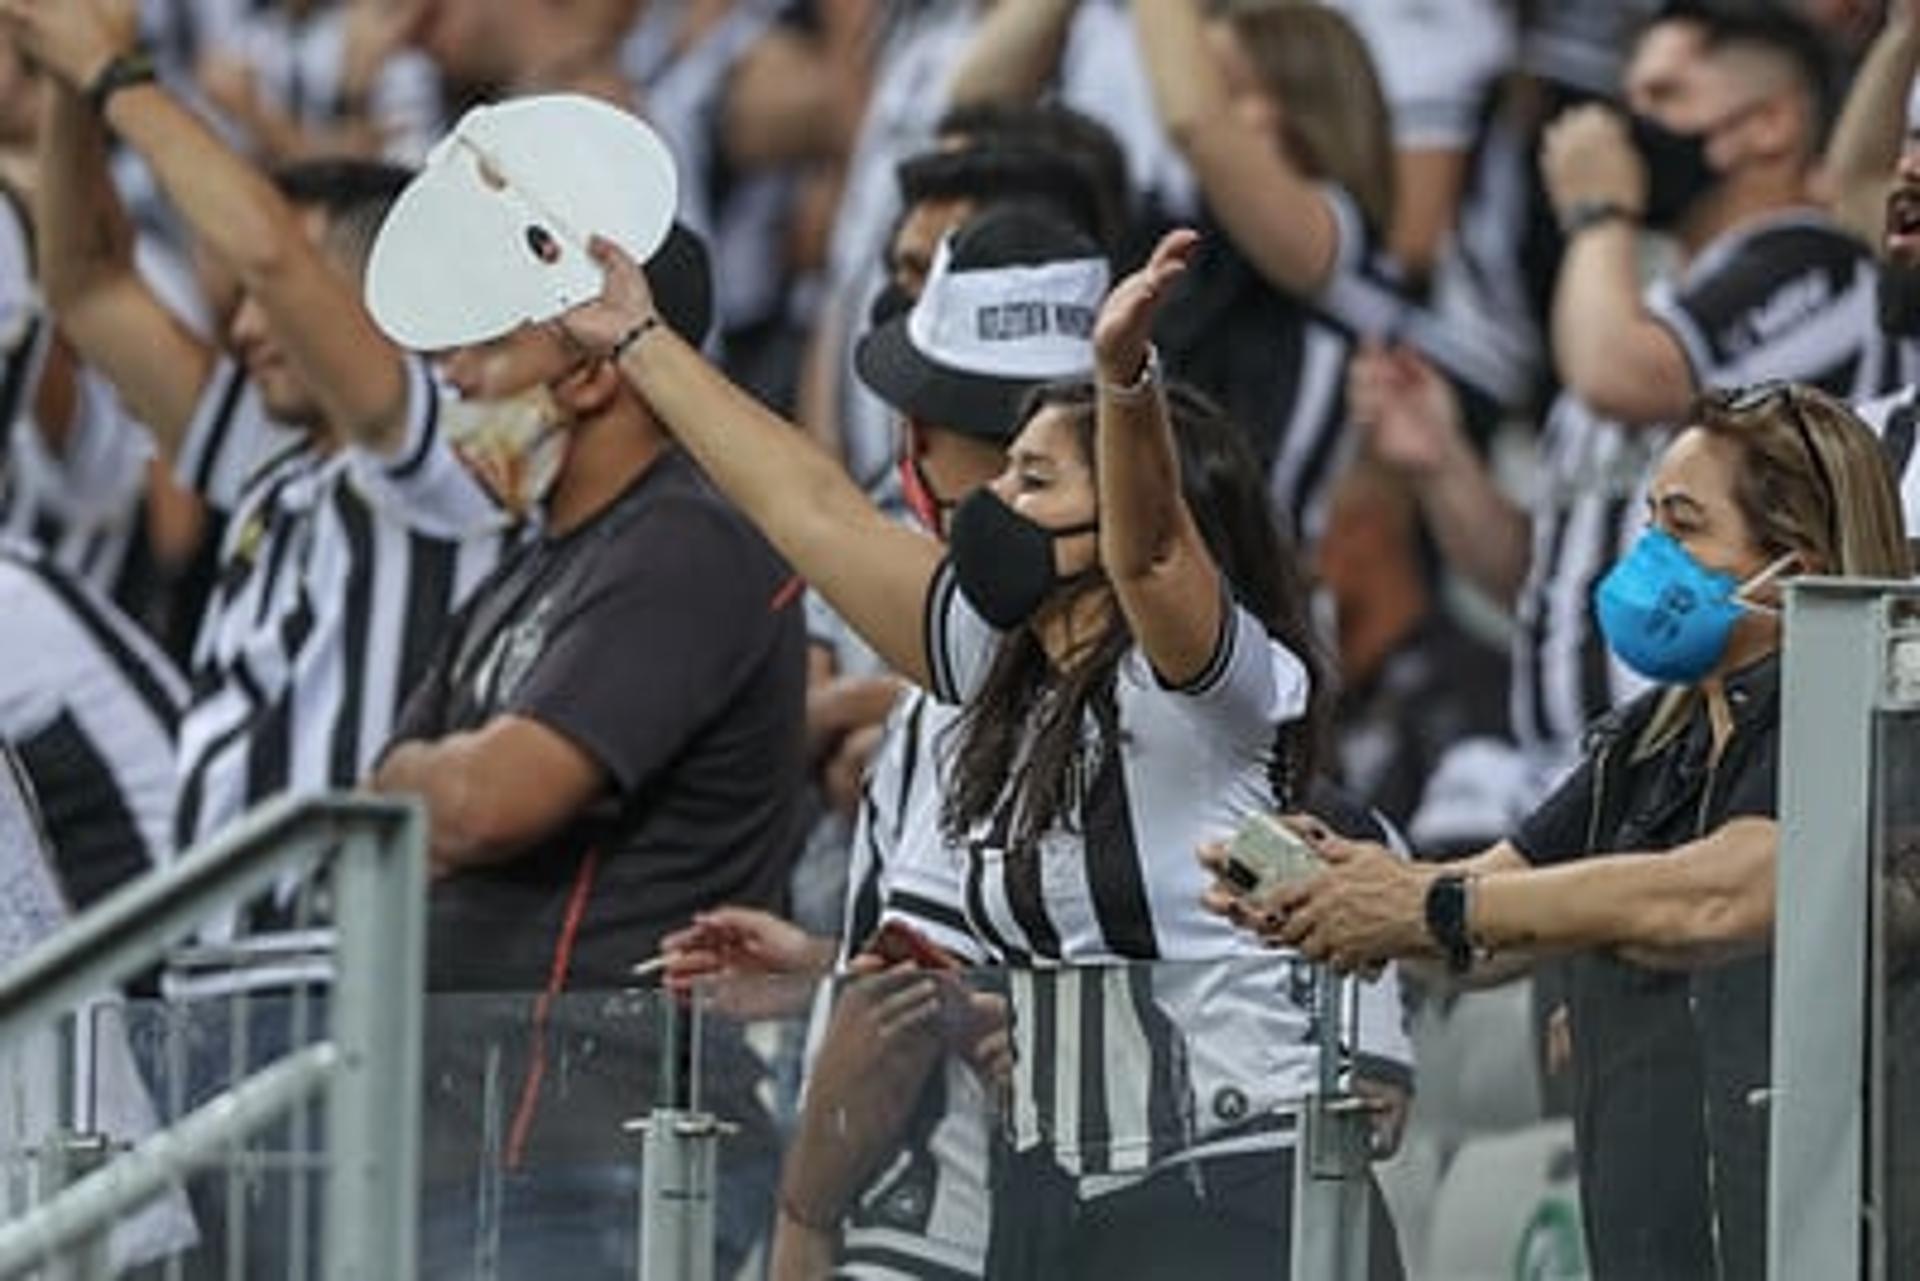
x,y
307,78
345,552
1438,65
90,706
1726,129
1413,682
1280,115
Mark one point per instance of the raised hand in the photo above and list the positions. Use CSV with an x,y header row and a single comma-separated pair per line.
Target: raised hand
x,y
73,40
624,304
1587,157
1124,327
1408,414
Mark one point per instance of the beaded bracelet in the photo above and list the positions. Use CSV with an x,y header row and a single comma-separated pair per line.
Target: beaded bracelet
x,y
625,342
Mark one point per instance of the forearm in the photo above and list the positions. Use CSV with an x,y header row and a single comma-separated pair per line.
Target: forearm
x,y
1187,90
800,1252
872,570
1139,483
1014,52
83,233
1867,139
232,208
1702,900
1483,533
1608,348
461,807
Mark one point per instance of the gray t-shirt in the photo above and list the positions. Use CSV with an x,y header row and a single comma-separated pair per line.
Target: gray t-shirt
x,y
665,639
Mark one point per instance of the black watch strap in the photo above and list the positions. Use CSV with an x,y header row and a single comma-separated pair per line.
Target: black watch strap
x,y
1447,920
1594,213
125,71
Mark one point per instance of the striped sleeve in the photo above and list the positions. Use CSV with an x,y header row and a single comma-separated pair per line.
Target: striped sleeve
x,y
960,643
1251,684
1792,301
1896,419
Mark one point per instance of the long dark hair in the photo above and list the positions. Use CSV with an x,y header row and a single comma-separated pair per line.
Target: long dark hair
x,y
1030,713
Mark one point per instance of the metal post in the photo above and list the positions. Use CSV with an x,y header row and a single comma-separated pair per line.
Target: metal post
x,y
373,1175
679,1160
1834,670
64,1161
1330,1192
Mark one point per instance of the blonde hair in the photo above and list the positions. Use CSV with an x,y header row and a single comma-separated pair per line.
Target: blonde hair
x,y
1813,479
1333,111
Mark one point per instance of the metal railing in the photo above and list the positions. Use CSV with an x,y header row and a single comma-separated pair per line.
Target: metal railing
x,y
1852,662
368,1068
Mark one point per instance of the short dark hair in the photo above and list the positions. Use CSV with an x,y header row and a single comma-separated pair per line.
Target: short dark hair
x,y
1068,154
355,196
1790,40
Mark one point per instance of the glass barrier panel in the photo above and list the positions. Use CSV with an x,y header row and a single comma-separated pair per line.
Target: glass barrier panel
x,y
1109,1122
1894,1015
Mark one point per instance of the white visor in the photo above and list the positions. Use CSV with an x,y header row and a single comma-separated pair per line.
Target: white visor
x,y
1009,322
493,232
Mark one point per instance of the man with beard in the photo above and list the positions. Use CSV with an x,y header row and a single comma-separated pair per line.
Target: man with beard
x,y
1897,416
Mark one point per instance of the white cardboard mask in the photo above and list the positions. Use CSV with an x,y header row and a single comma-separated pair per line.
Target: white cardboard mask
x,y
493,232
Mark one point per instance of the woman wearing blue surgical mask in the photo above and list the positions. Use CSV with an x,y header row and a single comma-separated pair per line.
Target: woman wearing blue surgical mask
x,y
1654,863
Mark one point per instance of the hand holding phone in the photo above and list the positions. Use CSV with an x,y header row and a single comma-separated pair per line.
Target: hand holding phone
x,y
1266,854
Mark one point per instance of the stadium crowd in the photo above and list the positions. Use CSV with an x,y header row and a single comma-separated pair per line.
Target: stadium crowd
x,y
907,505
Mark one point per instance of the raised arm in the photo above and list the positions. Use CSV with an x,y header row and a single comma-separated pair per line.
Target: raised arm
x,y
1150,547
875,571
1607,346
1014,53
1276,216
1867,139
358,376
86,266
1411,420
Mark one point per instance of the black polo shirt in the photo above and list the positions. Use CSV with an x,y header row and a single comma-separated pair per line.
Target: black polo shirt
x,y
1673,1150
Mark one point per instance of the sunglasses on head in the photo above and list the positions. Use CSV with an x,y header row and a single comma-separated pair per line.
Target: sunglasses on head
x,y
1764,396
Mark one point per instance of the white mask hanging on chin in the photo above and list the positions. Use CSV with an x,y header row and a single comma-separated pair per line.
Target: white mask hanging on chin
x,y
516,445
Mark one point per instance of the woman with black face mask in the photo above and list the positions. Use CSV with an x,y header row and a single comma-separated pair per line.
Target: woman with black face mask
x,y
1129,641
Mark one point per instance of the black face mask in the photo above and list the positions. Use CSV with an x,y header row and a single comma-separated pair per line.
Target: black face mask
x,y
1898,295
1002,560
892,300
1678,174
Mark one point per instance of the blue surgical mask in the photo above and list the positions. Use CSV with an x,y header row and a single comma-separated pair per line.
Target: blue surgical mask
x,y
1666,615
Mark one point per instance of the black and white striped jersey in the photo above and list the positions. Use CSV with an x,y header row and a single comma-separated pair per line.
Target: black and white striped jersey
x,y
90,706
82,504
1897,419
1582,44
338,572
1278,363
1789,296
1146,1029
297,60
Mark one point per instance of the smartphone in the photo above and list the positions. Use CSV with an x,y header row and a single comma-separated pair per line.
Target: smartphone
x,y
1265,854
896,941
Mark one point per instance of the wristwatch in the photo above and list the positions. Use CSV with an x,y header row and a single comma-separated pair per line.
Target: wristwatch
x,y
128,69
1447,920
1594,213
